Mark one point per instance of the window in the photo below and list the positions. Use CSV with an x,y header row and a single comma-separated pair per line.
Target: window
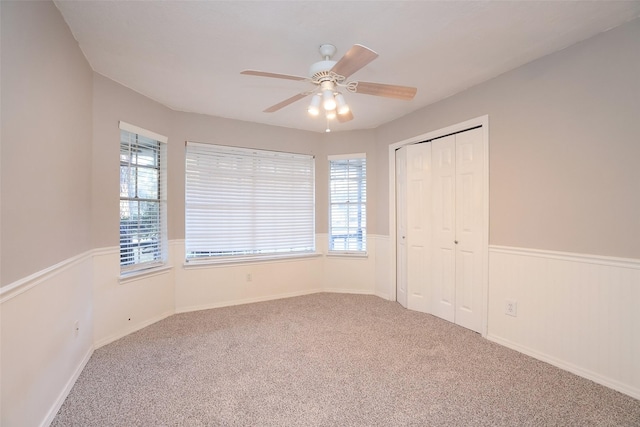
x,y
247,204
348,203
142,199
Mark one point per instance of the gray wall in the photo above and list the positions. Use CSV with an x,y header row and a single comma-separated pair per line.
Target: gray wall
x,y
564,147
46,141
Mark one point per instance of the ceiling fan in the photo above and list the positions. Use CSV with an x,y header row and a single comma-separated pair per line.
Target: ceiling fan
x,y
330,76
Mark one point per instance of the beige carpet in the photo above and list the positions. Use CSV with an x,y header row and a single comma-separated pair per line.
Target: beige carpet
x,y
328,360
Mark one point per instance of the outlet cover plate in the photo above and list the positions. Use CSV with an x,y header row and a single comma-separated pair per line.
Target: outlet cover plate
x,y
511,307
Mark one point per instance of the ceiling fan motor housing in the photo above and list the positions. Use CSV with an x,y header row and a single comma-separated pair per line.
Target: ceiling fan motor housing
x,y
320,70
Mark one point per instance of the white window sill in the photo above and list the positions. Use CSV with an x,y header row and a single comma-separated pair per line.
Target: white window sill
x,y
338,254
132,276
227,261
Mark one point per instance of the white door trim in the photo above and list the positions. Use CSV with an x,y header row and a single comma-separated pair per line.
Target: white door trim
x,y
401,291
459,127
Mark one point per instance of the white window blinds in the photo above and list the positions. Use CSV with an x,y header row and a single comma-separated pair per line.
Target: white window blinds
x,y
247,203
142,201
348,203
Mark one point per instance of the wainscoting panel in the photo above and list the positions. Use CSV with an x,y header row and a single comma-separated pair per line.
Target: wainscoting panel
x,y
384,287
578,312
47,338
352,274
122,308
218,285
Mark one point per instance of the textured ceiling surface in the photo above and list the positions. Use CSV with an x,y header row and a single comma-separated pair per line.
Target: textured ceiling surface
x,y
188,55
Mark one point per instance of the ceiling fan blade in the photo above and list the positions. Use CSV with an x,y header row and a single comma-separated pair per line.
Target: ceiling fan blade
x,y
273,75
390,91
286,102
357,57
342,118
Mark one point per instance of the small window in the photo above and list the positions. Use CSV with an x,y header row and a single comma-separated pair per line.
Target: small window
x,y
142,199
348,203
246,204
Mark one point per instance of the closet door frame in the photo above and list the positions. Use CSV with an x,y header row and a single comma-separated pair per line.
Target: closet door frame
x,y
482,121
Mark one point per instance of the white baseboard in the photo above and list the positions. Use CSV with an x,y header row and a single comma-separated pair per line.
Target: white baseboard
x,y
245,301
607,382
137,327
66,390
384,296
348,291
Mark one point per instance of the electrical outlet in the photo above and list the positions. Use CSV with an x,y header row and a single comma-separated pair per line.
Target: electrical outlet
x,y
511,307
76,328
249,277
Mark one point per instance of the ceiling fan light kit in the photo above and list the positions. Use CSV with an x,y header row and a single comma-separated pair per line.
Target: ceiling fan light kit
x,y
314,106
328,75
341,103
329,102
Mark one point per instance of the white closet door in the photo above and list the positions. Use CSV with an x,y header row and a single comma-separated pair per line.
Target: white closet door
x,y
468,228
418,225
440,225
444,228
401,226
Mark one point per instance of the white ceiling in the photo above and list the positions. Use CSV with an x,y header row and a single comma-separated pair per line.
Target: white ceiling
x,y
188,55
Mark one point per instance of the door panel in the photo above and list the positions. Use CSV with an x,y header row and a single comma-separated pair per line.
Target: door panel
x,y
447,205
418,225
469,223
445,271
465,282
466,214
444,187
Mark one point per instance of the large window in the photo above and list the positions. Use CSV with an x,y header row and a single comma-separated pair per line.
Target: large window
x,y
244,203
348,203
142,199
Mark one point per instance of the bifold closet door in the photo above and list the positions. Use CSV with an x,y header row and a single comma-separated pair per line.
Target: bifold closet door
x,y
444,223
418,240
401,226
457,228
413,217
469,224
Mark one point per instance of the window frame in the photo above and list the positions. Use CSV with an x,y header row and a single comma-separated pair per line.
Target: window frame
x,y
362,207
159,262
